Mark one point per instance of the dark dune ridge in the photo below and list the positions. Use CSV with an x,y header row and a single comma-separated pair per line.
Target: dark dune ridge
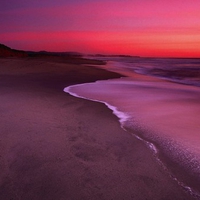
x,y
8,52
55,146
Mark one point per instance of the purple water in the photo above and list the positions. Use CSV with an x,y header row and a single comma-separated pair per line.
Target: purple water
x,y
161,98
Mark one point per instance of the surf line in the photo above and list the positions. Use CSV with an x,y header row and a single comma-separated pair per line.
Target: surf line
x,y
124,117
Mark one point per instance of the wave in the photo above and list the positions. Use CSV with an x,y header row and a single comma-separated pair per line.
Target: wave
x,y
166,113
126,120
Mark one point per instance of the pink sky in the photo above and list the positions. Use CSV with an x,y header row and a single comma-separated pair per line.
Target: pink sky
x,y
145,27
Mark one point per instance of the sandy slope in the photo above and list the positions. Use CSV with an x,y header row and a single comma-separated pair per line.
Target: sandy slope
x,y
55,146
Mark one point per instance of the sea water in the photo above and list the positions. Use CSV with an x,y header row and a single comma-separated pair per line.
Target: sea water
x,y
160,98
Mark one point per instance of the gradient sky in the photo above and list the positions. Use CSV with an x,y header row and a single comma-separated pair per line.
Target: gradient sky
x,y
135,27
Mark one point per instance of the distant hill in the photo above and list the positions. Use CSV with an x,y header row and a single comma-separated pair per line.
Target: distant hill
x,y
113,56
66,57
8,52
58,54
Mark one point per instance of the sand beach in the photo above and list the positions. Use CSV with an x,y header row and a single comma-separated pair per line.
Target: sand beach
x,y
56,146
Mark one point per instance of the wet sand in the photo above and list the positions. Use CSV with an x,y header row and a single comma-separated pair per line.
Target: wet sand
x,y
55,146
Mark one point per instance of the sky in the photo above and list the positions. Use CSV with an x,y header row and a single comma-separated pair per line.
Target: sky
x,y
163,28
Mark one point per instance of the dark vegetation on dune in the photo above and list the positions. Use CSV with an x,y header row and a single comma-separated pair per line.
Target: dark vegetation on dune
x,y
69,57
8,52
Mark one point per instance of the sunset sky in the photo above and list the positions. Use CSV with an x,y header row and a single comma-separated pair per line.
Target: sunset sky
x,y
135,27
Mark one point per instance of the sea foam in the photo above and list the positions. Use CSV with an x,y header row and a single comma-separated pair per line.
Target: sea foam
x,y
167,113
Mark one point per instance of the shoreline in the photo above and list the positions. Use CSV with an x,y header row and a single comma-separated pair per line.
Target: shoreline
x,y
184,176
160,157
55,146
189,175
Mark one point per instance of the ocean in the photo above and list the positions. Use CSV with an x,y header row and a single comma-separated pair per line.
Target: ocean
x,y
159,98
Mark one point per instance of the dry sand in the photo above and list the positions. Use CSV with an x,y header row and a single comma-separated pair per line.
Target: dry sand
x,y
55,146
